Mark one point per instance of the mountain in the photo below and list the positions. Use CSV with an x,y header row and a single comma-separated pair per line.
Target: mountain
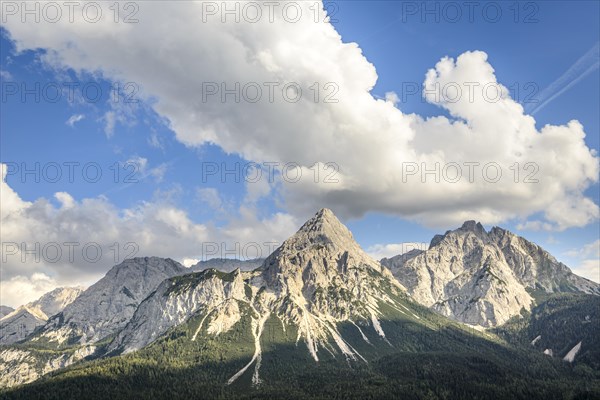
x,y
20,323
483,278
83,326
536,269
395,263
227,264
5,310
317,279
108,305
318,319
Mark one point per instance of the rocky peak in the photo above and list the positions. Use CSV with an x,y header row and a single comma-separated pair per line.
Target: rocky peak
x,y
21,322
227,264
325,227
146,265
321,238
55,301
108,305
473,226
317,278
484,278
437,239
467,227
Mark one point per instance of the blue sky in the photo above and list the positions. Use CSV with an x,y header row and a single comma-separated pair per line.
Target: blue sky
x,y
527,56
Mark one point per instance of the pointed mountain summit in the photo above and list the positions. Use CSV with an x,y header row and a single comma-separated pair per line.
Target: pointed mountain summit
x,y
321,276
325,226
473,226
108,305
484,278
21,322
322,241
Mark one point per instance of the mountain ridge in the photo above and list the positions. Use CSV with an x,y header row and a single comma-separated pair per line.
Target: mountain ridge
x,y
18,324
483,278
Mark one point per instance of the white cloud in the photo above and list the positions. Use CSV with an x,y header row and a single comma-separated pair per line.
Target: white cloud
x,y
158,172
65,199
535,225
210,196
588,260
139,168
151,228
74,119
588,250
257,189
379,251
110,120
155,141
392,97
138,163
19,290
589,269
189,262
5,75
369,139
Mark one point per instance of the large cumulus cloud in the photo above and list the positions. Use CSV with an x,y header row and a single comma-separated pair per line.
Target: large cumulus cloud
x,y
172,54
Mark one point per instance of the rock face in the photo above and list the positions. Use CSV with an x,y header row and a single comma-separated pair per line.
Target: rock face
x,y
321,276
108,305
227,264
536,269
5,310
18,366
20,323
483,278
397,262
178,298
316,279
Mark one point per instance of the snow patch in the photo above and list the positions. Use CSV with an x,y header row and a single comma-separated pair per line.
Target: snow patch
x,y
377,326
570,357
365,338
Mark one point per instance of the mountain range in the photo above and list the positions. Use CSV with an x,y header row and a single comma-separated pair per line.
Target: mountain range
x,y
16,325
318,316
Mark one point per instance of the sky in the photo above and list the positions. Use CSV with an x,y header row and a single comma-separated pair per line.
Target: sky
x,y
191,130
